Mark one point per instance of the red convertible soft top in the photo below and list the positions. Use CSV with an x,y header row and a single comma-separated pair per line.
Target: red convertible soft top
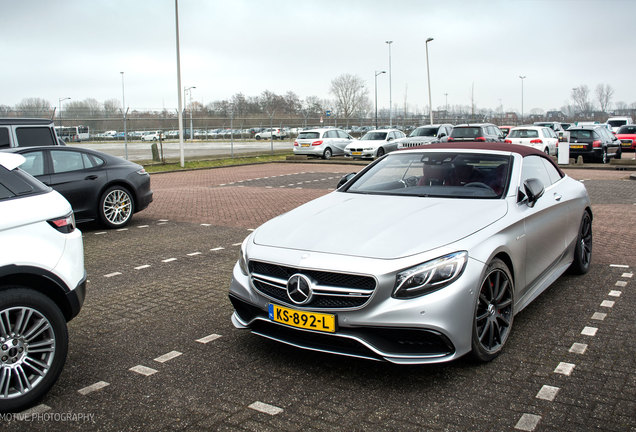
x,y
497,146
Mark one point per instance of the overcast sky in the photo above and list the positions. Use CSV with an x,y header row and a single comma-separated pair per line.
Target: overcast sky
x,y
74,48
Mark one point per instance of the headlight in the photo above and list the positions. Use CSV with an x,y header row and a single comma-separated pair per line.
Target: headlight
x,y
369,148
243,257
429,276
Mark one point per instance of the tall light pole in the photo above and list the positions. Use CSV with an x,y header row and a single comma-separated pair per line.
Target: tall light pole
x,y
60,100
522,78
125,113
376,96
390,91
179,108
189,90
428,72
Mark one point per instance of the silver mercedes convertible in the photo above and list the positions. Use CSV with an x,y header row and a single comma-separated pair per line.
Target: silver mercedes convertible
x,y
424,256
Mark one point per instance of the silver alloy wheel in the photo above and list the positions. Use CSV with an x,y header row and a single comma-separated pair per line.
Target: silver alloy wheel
x,y
117,207
27,350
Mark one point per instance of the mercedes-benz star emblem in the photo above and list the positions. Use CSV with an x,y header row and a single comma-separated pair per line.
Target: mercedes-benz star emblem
x,y
299,289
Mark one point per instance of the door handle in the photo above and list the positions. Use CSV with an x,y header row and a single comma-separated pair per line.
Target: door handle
x,y
90,177
557,197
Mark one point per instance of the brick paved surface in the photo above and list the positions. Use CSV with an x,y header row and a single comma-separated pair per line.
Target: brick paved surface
x,y
161,285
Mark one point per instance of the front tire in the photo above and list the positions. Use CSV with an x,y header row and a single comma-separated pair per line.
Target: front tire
x,y
116,207
380,153
493,316
583,250
33,347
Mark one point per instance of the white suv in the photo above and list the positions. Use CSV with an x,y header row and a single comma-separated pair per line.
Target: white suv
x,y
42,284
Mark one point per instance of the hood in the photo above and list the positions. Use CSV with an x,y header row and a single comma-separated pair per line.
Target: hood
x,y
378,226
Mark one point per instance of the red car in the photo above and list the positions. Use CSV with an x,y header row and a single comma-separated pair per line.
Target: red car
x,y
627,136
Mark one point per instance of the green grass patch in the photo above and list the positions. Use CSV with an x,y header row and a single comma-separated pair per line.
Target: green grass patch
x,y
200,164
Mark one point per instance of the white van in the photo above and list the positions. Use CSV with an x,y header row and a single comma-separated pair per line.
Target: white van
x,y
616,122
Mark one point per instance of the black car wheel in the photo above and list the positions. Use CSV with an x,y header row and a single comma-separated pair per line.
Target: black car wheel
x,y
619,153
493,315
116,207
604,156
380,152
33,347
327,154
583,250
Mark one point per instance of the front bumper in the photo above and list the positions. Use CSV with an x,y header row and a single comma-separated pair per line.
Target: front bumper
x,y
360,153
433,328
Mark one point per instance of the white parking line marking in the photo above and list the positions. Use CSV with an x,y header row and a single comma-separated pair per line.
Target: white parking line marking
x,y
628,275
163,220
269,187
237,244
206,224
122,229
548,393
528,422
217,249
564,368
599,316
607,303
109,275
168,260
143,370
266,408
38,409
93,387
169,356
100,233
143,226
619,266
621,283
578,348
162,223
209,338
222,184
194,253
614,293
589,331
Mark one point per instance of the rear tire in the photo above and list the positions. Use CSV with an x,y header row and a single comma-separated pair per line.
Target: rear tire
x,y
33,354
116,207
327,154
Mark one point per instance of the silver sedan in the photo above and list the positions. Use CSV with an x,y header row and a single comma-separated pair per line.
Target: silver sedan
x,y
436,251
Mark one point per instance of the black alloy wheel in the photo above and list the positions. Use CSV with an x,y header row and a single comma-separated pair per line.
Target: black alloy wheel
x,y
493,312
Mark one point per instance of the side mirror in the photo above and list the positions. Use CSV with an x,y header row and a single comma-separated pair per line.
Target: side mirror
x,y
390,139
345,179
533,188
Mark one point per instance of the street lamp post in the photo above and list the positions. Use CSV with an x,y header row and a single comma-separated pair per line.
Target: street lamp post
x,y
189,90
376,96
179,113
522,78
428,72
60,100
125,113
389,42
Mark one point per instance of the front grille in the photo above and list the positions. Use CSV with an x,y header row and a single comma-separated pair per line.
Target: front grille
x,y
330,290
356,149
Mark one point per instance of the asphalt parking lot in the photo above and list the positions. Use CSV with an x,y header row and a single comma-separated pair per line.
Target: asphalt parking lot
x,y
154,349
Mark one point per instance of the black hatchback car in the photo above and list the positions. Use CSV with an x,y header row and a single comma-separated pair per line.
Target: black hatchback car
x,y
594,143
97,185
485,132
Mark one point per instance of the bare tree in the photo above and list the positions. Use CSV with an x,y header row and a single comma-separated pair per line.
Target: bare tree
x,y
112,107
581,97
604,94
351,94
36,107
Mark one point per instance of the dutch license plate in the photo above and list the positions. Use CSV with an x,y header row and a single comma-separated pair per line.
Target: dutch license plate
x,y
577,146
302,319
356,153
304,145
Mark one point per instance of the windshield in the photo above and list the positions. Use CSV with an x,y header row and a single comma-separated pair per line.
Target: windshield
x,y
627,130
437,174
616,123
374,136
466,132
524,133
581,134
309,135
425,131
